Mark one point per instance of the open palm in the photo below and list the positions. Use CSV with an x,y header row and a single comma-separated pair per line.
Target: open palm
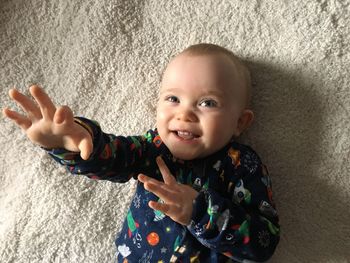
x,y
48,126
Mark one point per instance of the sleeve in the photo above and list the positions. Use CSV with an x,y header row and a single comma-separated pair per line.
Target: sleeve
x,y
244,224
114,158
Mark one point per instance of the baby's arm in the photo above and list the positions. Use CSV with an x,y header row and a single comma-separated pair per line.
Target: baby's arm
x,y
244,224
79,143
48,126
114,158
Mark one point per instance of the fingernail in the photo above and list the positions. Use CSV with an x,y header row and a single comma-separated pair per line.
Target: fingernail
x,y
11,91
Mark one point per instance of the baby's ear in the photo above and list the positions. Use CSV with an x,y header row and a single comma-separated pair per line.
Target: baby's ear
x,y
244,121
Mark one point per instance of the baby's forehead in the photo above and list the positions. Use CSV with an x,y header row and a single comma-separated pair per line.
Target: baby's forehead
x,y
213,63
227,70
219,64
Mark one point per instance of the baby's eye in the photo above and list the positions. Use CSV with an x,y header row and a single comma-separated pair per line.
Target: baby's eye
x,y
173,99
208,103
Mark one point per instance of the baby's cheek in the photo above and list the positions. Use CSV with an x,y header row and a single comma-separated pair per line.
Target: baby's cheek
x,y
161,114
161,126
220,133
159,118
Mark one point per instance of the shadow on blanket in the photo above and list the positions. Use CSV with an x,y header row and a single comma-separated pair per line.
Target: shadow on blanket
x,y
313,216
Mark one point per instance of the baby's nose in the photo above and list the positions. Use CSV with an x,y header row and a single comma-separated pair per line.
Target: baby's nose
x,y
186,114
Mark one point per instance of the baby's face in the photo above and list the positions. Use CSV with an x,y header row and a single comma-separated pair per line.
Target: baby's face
x,y
200,103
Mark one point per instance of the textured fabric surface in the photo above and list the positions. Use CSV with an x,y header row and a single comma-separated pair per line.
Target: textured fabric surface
x,y
105,59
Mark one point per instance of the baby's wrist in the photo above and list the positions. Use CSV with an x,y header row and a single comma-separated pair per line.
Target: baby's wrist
x,y
85,126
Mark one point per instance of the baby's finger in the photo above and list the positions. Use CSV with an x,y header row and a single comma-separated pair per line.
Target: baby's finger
x,y
164,170
144,178
162,192
164,208
85,147
21,120
46,105
26,104
63,114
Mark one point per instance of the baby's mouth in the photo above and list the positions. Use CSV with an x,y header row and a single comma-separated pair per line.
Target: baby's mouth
x,y
186,135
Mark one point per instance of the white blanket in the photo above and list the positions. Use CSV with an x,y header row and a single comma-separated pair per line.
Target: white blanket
x,y
105,59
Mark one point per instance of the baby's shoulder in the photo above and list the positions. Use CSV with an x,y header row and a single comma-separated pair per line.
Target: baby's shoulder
x,y
243,156
242,149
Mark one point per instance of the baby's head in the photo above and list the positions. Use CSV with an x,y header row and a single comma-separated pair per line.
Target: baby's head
x,y
203,102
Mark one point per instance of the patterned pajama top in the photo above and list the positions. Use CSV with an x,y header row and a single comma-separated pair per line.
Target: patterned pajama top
x,y
234,217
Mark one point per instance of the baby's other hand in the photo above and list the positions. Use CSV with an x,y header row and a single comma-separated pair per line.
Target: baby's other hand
x,y
178,198
48,126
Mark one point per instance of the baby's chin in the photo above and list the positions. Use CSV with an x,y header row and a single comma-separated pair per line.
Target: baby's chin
x,y
182,154
188,155
184,157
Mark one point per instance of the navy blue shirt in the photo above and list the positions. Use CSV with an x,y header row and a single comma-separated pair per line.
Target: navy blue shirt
x,y
234,218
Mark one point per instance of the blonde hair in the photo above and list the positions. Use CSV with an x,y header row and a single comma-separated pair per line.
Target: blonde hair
x,y
212,49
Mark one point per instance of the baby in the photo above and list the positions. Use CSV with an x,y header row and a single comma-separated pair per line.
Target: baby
x,y
201,196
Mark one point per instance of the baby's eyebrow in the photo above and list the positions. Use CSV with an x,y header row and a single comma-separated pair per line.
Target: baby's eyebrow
x,y
168,90
210,92
216,93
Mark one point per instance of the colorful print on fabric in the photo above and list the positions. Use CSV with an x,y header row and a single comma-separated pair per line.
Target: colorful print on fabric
x,y
240,193
242,223
235,157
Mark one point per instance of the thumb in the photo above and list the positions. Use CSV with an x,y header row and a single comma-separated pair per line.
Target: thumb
x,y
85,146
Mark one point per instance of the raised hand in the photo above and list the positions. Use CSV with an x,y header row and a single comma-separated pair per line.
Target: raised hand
x,y
178,198
48,126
